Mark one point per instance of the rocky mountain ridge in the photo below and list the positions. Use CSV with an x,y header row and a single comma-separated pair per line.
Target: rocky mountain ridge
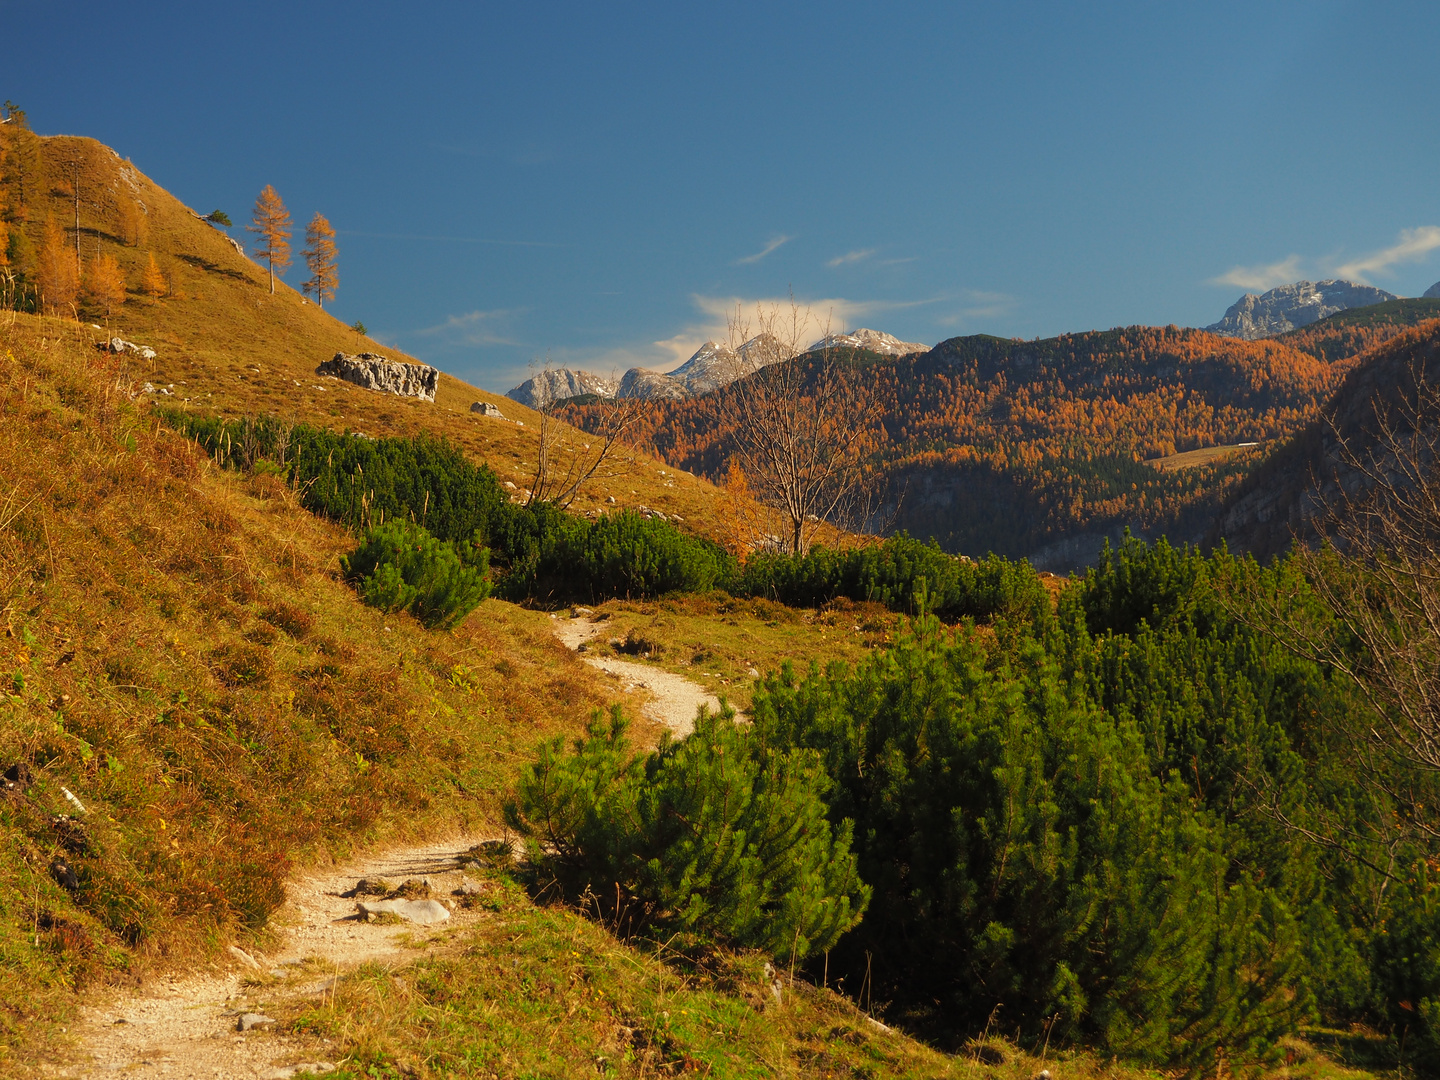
x,y
712,366
557,384
1288,307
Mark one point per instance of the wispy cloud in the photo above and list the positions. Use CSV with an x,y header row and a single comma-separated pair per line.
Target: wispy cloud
x,y
474,328
1261,278
978,304
850,257
773,243
450,239
1411,246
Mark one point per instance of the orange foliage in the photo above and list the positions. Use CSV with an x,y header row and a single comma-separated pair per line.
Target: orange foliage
x,y
1068,421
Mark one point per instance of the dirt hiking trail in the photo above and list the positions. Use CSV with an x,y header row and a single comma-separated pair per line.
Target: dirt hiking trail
x,y
189,1024
674,699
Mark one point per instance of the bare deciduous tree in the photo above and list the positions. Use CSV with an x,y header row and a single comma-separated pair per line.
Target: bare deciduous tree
x,y
1377,575
801,422
567,458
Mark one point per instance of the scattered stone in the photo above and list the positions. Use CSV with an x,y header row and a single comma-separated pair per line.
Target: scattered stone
x,y
468,888
64,875
244,957
422,912
414,889
376,372
252,1020
754,673
610,499
120,345
484,408
370,886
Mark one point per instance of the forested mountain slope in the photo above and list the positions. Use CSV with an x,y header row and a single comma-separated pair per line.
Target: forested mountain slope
x,y
1040,448
1291,492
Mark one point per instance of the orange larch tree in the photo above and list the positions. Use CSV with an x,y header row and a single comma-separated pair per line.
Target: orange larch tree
x,y
320,258
58,280
105,283
152,281
272,222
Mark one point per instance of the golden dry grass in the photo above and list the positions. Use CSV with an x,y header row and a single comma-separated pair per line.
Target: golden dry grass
x,y
228,346
1204,456
177,651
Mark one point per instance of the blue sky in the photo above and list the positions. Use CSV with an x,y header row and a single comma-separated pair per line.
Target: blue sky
x,y
599,184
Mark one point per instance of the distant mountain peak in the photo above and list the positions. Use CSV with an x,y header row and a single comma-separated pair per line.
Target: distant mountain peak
x,y
557,384
1288,307
1432,293
871,341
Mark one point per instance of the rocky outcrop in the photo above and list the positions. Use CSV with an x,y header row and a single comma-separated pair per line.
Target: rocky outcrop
x,y
122,347
643,383
1290,306
710,368
484,408
375,372
871,341
557,385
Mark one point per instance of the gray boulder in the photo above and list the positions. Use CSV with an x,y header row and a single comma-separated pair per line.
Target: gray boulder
x,y
376,372
484,408
1289,307
424,912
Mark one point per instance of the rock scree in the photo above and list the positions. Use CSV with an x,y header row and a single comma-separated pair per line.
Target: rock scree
x,y
376,372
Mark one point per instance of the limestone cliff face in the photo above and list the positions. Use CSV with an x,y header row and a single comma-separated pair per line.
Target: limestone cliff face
x,y
376,372
871,341
644,383
559,384
1291,306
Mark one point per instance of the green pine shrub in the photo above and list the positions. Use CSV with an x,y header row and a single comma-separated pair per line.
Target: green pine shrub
x,y
1023,853
903,574
401,567
718,835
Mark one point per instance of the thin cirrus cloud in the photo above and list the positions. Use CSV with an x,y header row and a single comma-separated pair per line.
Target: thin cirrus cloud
x,y
474,328
770,245
1412,245
978,304
1261,278
850,257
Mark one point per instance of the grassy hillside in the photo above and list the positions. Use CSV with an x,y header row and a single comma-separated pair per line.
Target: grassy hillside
x,y
1052,437
226,345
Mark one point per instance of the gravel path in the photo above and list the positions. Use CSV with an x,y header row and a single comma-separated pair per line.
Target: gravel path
x,y
186,1025
674,699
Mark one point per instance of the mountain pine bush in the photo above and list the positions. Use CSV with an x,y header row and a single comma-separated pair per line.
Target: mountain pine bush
x,y
718,835
1023,853
401,567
